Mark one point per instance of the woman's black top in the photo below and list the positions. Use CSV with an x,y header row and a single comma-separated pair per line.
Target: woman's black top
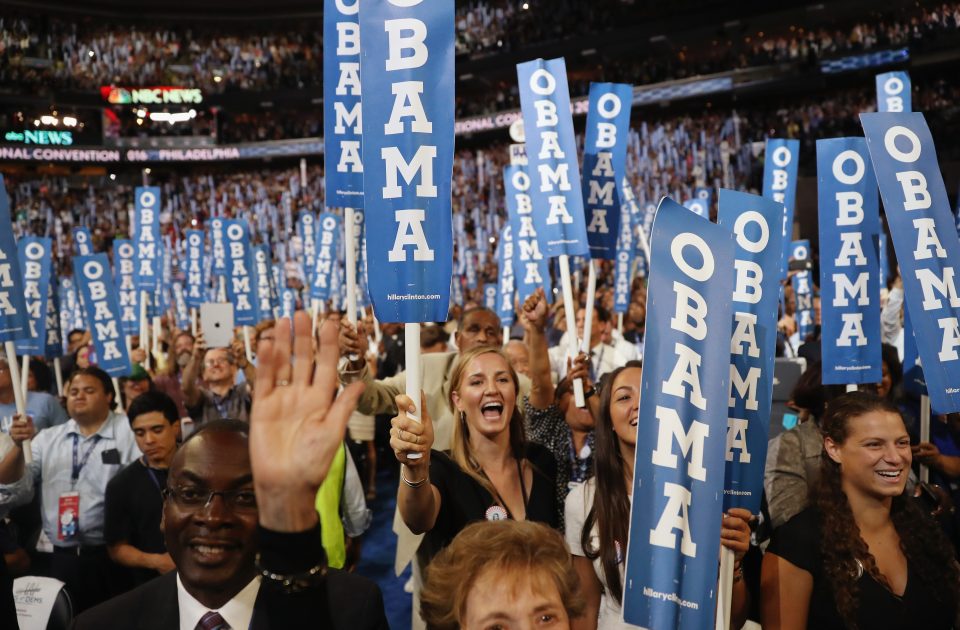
x,y
463,500
798,542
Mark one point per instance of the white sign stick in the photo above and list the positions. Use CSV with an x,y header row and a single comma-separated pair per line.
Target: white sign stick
x,y
569,309
924,433
411,340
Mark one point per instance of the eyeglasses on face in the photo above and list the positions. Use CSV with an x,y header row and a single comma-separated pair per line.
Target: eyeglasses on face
x,y
192,498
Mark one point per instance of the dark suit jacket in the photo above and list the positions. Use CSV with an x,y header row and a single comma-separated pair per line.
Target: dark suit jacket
x,y
342,602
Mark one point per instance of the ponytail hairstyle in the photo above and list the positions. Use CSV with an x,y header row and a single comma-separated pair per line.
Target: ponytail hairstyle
x,y
845,554
610,512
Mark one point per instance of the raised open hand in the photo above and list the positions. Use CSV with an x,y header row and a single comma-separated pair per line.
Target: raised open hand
x,y
296,426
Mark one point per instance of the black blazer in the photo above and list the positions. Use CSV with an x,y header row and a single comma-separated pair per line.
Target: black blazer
x,y
342,601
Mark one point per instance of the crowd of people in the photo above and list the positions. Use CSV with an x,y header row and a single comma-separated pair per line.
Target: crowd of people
x,y
87,54
153,487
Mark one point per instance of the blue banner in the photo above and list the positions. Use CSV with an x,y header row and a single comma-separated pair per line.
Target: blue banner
x,y
71,315
342,117
125,277
506,286
180,306
470,267
849,262
780,184
674,542
893,92
14,321
147,237
307,230
705,196
219,268
490,296
802,283
102,310
624,262
240,287
755,222
407,76
54,339
288,302
530,266
329,237
926,243
193,269
36,257
552,158
82,241
263,289
605,164
698,207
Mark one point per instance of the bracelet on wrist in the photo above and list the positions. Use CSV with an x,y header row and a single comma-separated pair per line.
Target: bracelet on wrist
x,y
295,582
411,484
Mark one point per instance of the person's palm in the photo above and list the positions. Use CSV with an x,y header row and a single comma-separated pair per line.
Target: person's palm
x,y
296,427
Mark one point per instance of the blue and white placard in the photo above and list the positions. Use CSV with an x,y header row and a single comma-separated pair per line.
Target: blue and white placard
x,y
849,262
102,310
674,544
604,164
552,155
926,243
14,321
240,287
147,237
893,92
342,116
531,266
36,257
755,222
780,184
125,277
407,76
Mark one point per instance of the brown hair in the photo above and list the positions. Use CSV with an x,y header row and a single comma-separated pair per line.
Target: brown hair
x,y
460,450
610,512
517,550
928,552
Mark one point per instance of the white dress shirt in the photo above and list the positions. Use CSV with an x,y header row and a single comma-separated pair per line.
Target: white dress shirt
x,y
237,612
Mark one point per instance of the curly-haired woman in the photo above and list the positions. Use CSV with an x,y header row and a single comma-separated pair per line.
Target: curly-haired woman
x,y
863,555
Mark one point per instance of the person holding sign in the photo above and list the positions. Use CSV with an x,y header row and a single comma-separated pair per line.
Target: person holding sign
x,y
598,511
491,471
864,555
72,464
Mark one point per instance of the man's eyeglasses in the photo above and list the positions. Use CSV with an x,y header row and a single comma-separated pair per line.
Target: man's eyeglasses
x,y
218,361
244,500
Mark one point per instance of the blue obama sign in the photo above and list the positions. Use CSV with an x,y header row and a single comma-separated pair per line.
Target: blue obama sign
x,y
926,243
531,267
408,115
125,276
674,546
342,116
755,222
13,308
780,184
35,260
893,92
552,158
849,262
604,164
102,310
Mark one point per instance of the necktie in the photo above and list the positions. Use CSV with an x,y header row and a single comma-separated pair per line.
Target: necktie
x,y
212,621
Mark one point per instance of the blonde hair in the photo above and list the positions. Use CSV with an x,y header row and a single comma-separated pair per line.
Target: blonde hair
x,y
516,550
460,449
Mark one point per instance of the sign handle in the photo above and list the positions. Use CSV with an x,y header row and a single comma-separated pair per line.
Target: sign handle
x,y
645,245
351,262
588,311
725,589
116,391
247,347
25,377
571,318
924,433
506,335
852,387
58,372
144,328
193,321
314,315
411,340
19,394
620,323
